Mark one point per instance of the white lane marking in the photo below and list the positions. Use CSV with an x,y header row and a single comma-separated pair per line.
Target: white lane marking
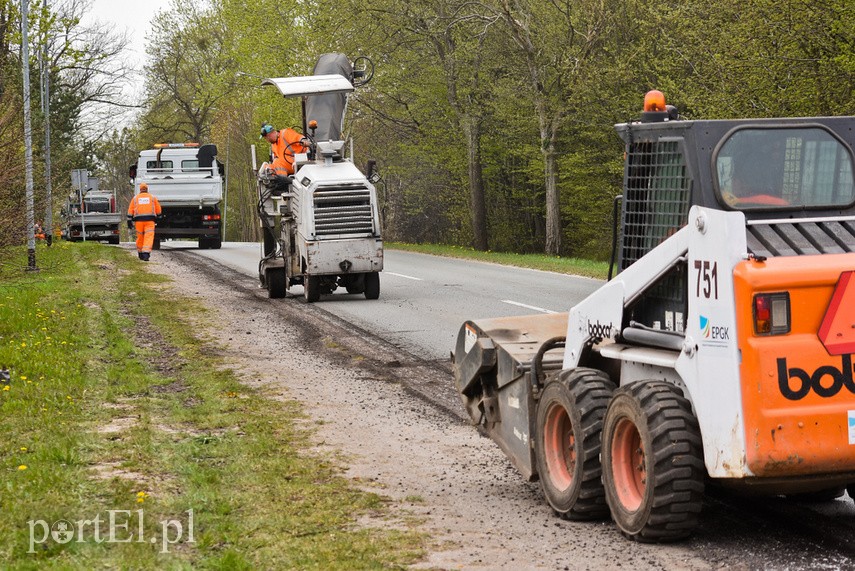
x,y
403,276
518,304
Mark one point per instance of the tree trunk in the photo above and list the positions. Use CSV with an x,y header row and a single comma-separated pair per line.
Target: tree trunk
x,y
553,202
476,183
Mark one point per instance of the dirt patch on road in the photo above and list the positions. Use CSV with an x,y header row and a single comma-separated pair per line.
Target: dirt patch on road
x,y
449,482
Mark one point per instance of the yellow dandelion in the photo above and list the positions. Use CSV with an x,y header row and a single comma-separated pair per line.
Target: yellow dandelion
x,y
22,467
23,377
23,448
6,388
23,344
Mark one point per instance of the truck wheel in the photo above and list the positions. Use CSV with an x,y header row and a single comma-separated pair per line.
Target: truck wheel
x,y
312,288
372,285
114,240
653,467
204,244
156,244
567,443
276,283
215,243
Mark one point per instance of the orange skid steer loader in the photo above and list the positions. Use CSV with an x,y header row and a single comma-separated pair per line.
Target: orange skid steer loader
x,y
721,351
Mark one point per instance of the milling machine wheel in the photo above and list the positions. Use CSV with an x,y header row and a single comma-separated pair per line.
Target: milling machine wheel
x,y
276,283
567,443
653,467
311,288
372,285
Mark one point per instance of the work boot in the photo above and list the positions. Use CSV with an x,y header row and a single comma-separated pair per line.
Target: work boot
x,y
140,255
146,256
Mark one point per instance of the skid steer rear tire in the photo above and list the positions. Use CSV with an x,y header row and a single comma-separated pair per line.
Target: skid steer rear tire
x,y
567,443
653,467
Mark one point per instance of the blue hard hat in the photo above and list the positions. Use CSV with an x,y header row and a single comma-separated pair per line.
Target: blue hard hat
x,y
266,128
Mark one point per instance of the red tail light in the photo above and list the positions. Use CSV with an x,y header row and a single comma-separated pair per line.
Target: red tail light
x,y
211,217
772,313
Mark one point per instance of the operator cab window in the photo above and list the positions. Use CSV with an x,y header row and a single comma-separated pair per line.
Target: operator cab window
x,y
190,165
780,168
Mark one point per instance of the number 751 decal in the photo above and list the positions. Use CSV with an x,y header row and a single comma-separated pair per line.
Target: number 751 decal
x,y
708,274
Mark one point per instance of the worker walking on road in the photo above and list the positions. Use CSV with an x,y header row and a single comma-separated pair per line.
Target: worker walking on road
x,y
284,144
142,212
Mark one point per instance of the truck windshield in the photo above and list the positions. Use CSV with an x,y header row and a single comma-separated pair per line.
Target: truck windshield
x,y
780,168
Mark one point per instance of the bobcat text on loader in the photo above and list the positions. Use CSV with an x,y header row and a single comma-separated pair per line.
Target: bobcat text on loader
x,y
722,350
321,226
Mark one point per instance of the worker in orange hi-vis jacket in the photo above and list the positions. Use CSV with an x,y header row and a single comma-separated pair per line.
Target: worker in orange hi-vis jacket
x,y
142,212
284,144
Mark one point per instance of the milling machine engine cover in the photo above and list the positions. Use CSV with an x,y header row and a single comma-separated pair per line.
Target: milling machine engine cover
x,y
328,109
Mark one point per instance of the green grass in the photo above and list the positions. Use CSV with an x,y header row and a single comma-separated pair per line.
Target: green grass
x,y
574,266
106,412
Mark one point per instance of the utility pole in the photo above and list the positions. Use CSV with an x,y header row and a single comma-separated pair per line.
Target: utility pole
x,y
226,198
48,225
28,139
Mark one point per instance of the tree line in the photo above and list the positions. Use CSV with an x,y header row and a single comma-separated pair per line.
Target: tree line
x,y
490,120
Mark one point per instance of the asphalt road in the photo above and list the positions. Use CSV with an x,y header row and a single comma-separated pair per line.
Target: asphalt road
x,y
424,299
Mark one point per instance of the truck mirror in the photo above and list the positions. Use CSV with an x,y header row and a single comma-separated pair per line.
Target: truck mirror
x,y
132,171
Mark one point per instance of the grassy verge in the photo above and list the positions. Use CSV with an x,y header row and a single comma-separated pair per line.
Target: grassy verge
x,y
574,266
116,410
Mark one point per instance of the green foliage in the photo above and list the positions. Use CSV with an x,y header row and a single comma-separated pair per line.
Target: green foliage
x,y
500,92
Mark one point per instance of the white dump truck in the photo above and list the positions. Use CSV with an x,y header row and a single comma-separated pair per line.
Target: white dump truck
x,y
321,226
187,180
89,213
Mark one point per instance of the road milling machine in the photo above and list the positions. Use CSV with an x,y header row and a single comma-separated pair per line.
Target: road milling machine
x,y
321,226
720,353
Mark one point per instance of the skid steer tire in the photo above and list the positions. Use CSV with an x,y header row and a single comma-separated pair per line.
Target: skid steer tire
x,y
276,283
567,443
372,285
311,288
653,468
156,244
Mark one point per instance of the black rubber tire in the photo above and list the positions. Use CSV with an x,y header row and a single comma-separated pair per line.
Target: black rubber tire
x,y
567,443
276,283
204,244
355,283
215,243
850,489
653,466
156,244
311,288
372,285
114,240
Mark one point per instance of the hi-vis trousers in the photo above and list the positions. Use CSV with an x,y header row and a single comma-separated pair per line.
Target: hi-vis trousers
x,y
145,235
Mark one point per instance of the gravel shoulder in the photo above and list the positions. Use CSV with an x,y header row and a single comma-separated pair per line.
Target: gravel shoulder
x,y
394,422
